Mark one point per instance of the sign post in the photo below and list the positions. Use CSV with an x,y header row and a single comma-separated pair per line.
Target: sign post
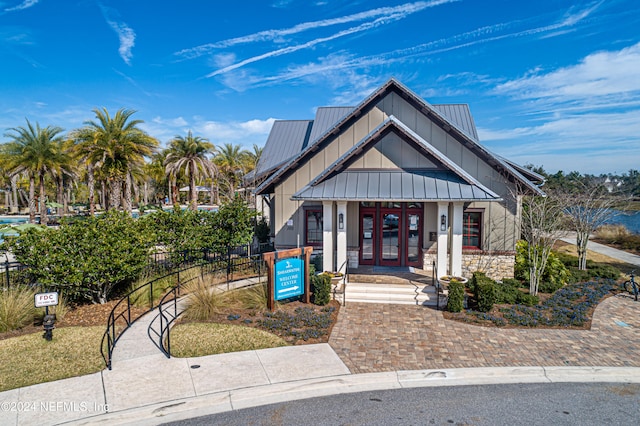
x,y
44,300
288,276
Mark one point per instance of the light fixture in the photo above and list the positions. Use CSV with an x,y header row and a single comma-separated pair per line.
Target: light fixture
x,y
443,222
341,221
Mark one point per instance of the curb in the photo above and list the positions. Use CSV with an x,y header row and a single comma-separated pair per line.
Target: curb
x,y
181,409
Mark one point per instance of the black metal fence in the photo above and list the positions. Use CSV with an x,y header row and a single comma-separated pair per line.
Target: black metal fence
x,y
250,266
12,274
234,263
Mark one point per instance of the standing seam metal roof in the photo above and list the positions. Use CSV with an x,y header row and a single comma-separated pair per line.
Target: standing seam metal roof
x,y
452,184
392,85
286,139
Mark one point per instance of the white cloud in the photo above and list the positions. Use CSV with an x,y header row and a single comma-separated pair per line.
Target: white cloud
x,y
172,122
235,132
244,133
601,74
338,63
290,49
26,4
397,12
126,35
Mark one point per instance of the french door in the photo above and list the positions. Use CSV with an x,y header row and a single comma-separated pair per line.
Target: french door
x,y
391,236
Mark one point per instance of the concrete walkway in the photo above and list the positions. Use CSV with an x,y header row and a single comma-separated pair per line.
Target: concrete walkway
x,y
622,256
372,347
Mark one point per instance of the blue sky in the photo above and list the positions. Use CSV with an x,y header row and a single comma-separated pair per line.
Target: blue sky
x,y
551,83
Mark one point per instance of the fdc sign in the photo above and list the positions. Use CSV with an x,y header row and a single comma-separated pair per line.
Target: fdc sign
x,y
288,278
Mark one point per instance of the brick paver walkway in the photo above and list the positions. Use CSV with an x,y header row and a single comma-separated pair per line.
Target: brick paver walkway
x,y
379,337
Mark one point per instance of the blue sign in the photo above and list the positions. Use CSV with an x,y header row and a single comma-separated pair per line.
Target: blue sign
x,y
289,280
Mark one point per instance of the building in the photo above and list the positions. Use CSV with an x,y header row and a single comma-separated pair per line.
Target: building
x,y
394,181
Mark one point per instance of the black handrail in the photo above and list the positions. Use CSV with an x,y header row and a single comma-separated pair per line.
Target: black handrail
x,y
170,300
111,335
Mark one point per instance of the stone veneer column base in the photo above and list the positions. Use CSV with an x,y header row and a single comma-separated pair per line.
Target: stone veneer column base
x,y
496,265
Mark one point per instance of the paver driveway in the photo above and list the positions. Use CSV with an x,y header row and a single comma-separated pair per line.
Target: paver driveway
x,y
381,337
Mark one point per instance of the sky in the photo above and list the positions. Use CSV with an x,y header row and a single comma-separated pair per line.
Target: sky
x,y
550,83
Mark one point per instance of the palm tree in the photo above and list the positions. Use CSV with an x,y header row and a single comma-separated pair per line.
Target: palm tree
x,y
117,146
230,162
85,150
189,153
36,152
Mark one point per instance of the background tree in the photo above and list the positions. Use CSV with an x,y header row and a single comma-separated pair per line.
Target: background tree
x,y
36,152
120,146
587,206
231,160
189,154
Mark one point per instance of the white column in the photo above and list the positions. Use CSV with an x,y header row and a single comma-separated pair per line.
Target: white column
x,y
327,235
456,240
342,235
443,210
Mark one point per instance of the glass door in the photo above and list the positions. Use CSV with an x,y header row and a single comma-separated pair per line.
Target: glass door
x,y
413,239
367,238
390,238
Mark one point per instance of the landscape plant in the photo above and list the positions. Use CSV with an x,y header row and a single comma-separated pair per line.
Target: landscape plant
x,y
88,260
321,288
455,300
16,308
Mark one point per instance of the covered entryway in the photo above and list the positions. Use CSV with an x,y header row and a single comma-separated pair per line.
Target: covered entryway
x,y
390,234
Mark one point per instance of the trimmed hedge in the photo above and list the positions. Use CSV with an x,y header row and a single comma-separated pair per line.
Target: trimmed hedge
x,y
455,300
321,289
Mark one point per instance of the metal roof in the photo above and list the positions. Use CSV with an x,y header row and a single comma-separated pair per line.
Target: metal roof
x,y
326,117
286,139
395,185
392,85
460,115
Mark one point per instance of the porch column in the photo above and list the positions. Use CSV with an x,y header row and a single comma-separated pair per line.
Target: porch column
x,y
327,235
341,241
443,216
455,259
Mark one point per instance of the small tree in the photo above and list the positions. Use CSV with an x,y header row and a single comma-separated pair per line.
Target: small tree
x,y
542,225
587,207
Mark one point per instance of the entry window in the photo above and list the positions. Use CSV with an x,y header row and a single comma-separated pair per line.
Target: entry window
x,y
313,227
472,230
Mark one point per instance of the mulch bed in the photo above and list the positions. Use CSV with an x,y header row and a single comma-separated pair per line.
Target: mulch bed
x,y
252,317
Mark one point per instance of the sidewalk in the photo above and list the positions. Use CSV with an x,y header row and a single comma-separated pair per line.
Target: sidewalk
x,y
373,347
623,256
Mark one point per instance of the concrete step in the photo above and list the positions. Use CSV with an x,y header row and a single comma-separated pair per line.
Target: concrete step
x,y
393,294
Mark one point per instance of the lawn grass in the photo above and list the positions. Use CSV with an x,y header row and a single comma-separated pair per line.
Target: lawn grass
x,y
200,339
30,359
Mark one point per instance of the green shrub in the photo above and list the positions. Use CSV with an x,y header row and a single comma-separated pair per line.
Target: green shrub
x,y
485,294
455,301
594,269
92,259
321,289
477,276
527,299
16,308
507,291
555,275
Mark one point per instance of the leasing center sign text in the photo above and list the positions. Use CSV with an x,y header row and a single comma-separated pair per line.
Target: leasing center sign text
x,y
288,278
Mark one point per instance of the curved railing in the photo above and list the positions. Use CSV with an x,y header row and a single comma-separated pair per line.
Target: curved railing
x,y
122,316
168,307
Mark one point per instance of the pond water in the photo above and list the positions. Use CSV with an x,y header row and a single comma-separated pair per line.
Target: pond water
x,y
631,220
